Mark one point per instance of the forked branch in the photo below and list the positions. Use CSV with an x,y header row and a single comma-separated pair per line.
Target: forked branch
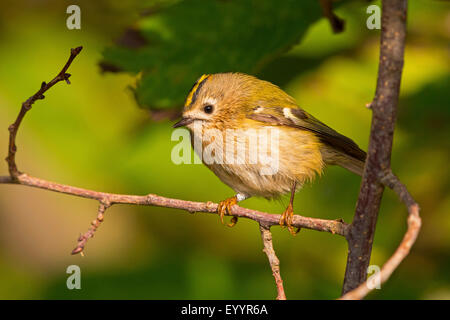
x,y
377,172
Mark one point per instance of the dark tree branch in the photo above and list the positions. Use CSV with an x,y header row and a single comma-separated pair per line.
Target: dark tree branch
x,y
377,170
336,23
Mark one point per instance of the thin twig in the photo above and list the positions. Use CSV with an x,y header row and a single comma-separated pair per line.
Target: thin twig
x,y
82,240
26,106
274,262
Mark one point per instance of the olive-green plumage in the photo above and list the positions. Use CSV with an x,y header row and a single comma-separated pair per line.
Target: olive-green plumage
x,y
238,101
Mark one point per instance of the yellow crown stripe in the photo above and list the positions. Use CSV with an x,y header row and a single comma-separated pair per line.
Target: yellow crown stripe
x,y
194,89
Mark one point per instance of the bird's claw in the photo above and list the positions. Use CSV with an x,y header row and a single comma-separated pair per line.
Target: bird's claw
x,y
287,218
224,207
233,222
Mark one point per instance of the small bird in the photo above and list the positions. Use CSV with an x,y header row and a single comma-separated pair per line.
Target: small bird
x,y
236,109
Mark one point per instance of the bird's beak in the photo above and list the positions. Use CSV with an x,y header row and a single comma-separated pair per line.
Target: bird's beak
x,y
183,122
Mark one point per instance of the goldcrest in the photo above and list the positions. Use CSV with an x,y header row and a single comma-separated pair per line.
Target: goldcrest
x,y
261,142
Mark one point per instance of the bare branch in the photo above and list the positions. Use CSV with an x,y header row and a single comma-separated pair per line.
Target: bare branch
x,y
274,262
414,224
377,172
332,226
26,106
94,225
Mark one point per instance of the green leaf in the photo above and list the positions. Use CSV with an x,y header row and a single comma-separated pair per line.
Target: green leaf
x,y
174,46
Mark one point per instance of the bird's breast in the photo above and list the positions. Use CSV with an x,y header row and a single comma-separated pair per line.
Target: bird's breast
x,y
263,161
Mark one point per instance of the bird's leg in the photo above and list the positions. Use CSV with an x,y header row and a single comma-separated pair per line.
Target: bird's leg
x,y
224,207
288,215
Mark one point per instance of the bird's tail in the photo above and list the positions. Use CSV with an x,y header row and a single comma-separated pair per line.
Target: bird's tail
x,y
354,163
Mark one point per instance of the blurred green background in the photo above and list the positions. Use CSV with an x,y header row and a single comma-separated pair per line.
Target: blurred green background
x,y
94,134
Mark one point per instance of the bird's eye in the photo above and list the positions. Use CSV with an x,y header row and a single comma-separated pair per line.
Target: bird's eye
x,y
208,108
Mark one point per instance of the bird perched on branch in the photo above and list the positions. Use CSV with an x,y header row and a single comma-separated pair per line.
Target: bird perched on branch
x,y
258,141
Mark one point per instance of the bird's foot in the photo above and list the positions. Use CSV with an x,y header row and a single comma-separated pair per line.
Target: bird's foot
x,y
224,207
287,218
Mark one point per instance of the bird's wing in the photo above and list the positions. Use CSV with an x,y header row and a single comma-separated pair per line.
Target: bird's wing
x,y
298,118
